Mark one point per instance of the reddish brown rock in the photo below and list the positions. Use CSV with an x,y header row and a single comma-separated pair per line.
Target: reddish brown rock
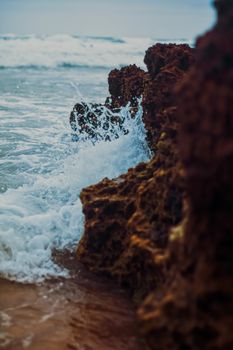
x,y
127,219
126,228
105,121
160,56
194,308
130,234
97,122
167,65
126,85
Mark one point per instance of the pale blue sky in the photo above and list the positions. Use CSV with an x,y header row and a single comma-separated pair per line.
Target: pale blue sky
x,y
145,18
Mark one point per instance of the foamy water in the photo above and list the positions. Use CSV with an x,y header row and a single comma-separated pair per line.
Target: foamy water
x,y
41,170
69,51
73,51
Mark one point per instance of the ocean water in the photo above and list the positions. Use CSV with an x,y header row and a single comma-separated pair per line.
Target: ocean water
x,y
42,171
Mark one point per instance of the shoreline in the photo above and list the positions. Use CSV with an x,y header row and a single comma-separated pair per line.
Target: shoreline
x,y
153,269
80,312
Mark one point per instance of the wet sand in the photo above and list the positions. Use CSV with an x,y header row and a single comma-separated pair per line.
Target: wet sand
x,y
83,312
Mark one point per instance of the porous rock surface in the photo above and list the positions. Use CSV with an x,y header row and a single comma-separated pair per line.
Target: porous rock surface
x,y
164,229
166,66
194,309
127,219
88,120
125,85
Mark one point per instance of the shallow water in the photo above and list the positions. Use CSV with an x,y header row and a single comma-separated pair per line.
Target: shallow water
x,y
41,170
82,312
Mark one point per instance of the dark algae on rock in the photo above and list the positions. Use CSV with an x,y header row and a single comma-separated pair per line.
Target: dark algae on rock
x,y
164,229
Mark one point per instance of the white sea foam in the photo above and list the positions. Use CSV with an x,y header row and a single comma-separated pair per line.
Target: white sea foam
x,y
41,170
46,212
70,51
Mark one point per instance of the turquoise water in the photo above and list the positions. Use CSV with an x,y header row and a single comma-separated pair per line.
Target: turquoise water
x,y
34,108
41,170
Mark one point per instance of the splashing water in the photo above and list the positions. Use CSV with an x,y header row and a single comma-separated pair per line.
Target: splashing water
x,y
95,122
44,212
41,170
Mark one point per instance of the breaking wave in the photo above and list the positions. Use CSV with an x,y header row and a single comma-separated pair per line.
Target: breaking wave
x,y
46,213
34,51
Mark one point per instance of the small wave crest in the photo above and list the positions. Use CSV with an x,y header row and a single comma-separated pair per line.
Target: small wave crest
x,y
58,65
69,51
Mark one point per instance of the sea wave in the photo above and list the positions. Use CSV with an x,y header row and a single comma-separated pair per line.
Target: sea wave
x,y
72,51
42,171
46,213
58,65
69,51
29,36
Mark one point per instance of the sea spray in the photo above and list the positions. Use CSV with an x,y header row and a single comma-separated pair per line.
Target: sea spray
x,y
46,213
41,170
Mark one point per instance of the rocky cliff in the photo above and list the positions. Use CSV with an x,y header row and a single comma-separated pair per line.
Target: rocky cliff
x,y
128,219
193,309
163,230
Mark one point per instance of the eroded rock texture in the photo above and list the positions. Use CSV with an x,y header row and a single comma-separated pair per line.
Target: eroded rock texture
x,y
176,261
105,121
97,122
166,66
127,219
125,85
194,308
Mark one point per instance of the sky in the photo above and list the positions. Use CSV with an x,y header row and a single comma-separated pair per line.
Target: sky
x,y
138,18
